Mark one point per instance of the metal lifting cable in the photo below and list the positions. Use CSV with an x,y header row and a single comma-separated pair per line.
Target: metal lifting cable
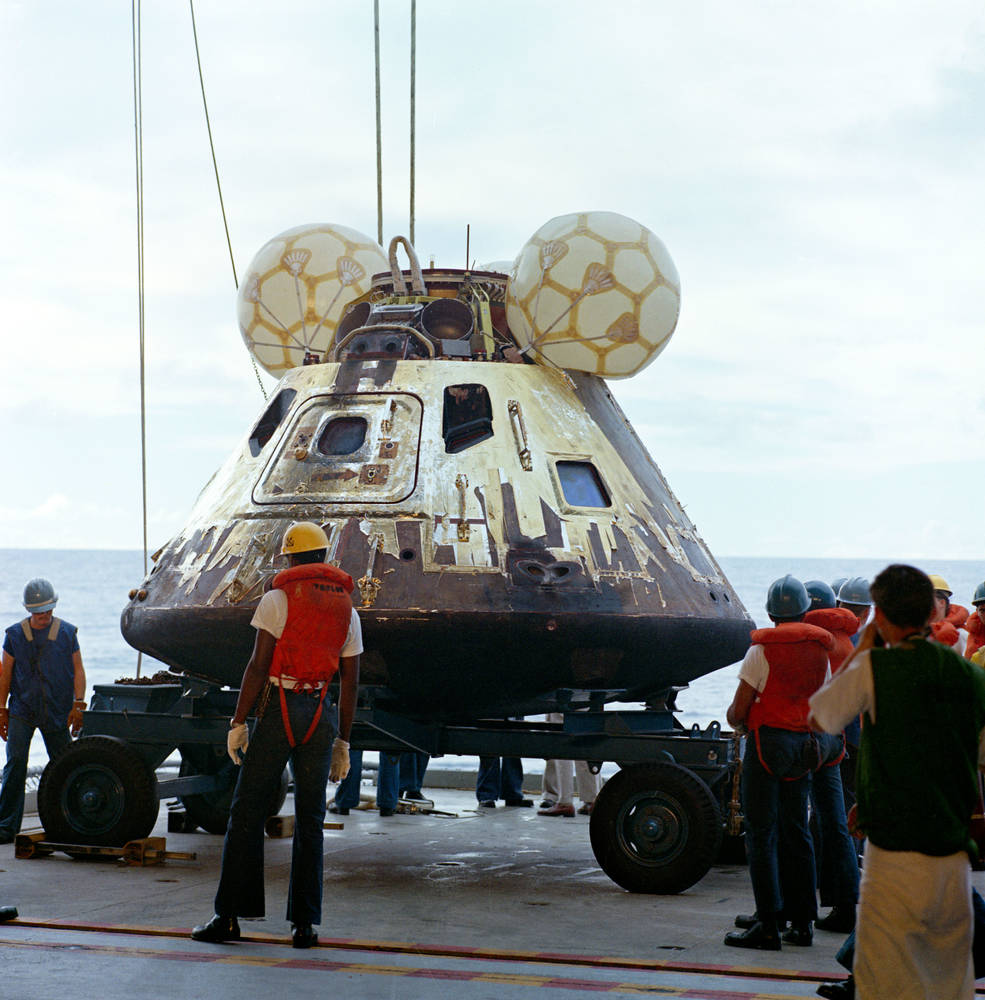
x,y
215,167
413,105
138,130
379,129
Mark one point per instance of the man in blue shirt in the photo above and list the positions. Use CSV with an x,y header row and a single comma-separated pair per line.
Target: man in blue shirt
x,y
41,674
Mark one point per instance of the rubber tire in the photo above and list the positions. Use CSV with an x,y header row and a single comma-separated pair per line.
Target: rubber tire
x,y
655,828
99,792
211,811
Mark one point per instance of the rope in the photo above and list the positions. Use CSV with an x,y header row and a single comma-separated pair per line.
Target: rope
x,y
413,105
138,130
379,130
218,183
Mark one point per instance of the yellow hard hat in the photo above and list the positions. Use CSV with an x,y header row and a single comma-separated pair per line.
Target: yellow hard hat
x,y
303,537
940,583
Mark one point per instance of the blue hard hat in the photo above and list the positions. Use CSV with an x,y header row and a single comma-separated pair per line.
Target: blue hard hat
x,y
836,584
821,595
39,596
979,597
787,598
855,591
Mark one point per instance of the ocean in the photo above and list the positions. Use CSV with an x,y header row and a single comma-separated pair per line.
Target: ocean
x,y
92,586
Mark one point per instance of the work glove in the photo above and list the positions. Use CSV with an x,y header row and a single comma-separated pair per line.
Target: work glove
x,y
75,716
340,760
237,740
4,720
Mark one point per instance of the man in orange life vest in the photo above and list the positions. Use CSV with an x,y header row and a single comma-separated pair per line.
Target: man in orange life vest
x,y
947,621
784,666
307,630
975,625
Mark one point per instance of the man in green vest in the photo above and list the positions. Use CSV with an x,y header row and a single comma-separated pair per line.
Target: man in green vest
x,y
923,709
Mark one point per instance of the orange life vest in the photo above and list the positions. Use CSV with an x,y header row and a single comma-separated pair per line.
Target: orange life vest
x,y
842,624
976,634
319,612
798,657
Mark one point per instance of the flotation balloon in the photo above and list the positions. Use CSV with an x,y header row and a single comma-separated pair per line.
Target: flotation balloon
x,y
593,292
297,288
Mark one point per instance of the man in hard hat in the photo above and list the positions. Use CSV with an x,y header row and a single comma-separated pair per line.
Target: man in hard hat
x,y
783,667
922,743
837,858
975,623
43,677
307,631
947,621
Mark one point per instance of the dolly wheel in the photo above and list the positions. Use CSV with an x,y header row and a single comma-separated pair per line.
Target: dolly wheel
x,y
655,828
97,791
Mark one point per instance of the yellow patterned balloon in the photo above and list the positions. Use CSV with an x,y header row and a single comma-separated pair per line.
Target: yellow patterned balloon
x,y
593,292
296,290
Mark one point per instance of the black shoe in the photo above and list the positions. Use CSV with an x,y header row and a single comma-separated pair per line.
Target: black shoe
x,y
303,936
6,838
8,913
799,934
338,810
217,930
755,937
487,804
843,990
841,920
524,803
386,812
547,804
415,794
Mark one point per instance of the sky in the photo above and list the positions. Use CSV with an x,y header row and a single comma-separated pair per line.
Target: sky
x,y
815,171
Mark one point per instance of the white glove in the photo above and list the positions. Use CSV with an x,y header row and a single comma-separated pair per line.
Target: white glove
x,y
237,740
340,760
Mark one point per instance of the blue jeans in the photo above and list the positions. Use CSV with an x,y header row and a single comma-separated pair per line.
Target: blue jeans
x,y
240,892
774,802
413,764
838,876
499,778
387,779
19,734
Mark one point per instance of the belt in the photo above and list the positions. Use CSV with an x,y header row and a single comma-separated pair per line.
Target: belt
x,y
291,684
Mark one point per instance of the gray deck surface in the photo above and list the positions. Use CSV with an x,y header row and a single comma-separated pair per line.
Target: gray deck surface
x,y
483,904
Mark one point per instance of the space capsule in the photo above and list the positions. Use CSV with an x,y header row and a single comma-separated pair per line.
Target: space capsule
x,y
453,433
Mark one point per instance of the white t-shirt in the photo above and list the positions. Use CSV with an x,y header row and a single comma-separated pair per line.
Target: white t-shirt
x,y
271,616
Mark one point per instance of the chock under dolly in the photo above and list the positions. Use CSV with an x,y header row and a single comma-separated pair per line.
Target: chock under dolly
x,y
140,853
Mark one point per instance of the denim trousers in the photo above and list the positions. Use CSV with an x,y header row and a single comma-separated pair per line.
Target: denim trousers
x,y
19,734
413,764
499,778
387,781
240,892
838,876
774,803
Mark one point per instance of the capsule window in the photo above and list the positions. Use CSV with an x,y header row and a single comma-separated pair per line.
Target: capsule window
x,y
582,485
466,418
271,419
342,436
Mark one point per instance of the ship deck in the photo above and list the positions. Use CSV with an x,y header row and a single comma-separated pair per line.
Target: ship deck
x,y
478,903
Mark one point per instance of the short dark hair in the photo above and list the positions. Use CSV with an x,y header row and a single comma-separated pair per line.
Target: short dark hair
x,y
312,556
905,595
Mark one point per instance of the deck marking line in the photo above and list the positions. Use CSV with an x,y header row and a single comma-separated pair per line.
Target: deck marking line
x,y
459,951
357,968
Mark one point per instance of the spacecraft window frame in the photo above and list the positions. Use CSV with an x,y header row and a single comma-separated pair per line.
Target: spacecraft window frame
x,y
265,428
465,434
327,407
593,480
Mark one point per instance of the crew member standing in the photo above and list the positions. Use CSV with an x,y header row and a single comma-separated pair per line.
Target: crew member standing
x,y
307,630
975,623
42,674
924,709
784,666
